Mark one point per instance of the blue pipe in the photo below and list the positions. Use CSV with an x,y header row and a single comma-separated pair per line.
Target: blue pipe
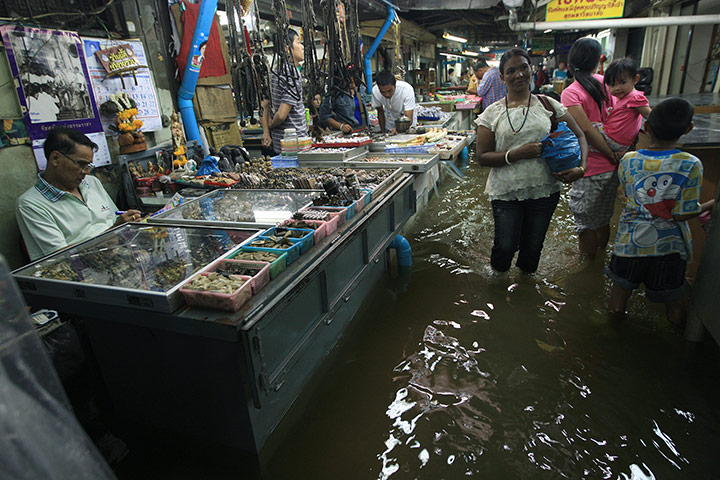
x,y
374,46
206,16
404,252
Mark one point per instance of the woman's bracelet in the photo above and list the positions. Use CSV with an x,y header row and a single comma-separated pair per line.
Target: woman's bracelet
x,y
583,169
507,159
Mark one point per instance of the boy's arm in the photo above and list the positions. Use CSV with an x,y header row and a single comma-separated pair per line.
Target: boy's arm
x,y
644,111
704,207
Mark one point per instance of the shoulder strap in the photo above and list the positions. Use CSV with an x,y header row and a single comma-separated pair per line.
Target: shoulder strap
x,y
553,118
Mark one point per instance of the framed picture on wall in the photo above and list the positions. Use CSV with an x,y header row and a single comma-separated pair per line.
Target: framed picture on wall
x,y
53,84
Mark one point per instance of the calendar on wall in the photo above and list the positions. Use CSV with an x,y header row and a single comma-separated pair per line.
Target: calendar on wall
x,y
139,86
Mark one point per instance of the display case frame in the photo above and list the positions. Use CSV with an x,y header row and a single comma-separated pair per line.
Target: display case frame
x,y
168,300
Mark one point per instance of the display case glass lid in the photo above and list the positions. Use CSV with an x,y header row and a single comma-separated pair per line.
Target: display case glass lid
x,y
139,256
242,206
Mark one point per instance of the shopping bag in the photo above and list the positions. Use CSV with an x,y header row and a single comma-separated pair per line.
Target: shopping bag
x,y
209,166
561,149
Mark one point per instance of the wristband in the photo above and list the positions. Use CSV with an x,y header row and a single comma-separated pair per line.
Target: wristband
x,y
507,160
583,169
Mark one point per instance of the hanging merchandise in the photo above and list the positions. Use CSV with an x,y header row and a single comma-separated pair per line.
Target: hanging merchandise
x,y
249,68
283,65
241,69
312,71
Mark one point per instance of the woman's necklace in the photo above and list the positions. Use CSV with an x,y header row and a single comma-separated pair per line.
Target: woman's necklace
x,y
515,132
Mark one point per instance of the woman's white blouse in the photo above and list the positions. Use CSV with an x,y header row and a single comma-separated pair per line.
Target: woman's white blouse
x,y
524,179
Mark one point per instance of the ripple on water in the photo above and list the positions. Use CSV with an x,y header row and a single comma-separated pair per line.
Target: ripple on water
x,y
524,376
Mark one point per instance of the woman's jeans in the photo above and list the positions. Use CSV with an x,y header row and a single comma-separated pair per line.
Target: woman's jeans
x,y
521,225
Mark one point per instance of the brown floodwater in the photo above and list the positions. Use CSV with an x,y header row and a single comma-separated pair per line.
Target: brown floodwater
x,y
465,373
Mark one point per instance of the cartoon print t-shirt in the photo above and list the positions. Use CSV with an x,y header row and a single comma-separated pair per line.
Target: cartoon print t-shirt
x,y
657,185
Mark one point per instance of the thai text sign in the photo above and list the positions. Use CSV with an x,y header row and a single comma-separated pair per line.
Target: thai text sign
x,y
562,10
117,58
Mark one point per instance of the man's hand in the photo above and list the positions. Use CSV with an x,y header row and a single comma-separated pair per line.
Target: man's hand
x,y
129,216
266,140
394,131
346,128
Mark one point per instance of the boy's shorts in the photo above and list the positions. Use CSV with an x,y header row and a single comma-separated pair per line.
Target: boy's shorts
x,y
664,277
592,200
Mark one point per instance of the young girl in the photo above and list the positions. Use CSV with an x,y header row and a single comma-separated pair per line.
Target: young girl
x,y
623,122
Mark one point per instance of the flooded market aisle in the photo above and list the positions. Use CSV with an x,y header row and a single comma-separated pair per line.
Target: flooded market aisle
x,y
466,373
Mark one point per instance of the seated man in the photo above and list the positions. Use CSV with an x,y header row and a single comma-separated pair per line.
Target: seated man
x,y
66,206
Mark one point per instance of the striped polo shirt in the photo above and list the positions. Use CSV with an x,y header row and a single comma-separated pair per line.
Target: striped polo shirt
x,y
288,90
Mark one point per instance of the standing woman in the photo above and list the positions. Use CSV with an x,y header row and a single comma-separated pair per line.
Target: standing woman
x,y
522,190
588,100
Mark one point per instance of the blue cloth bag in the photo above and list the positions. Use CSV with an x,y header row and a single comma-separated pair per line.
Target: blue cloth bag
x,y
561,149
208,166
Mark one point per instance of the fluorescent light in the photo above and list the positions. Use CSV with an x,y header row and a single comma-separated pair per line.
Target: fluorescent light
x,y
551,51
447,36
484,49
470,54
448,54
548,30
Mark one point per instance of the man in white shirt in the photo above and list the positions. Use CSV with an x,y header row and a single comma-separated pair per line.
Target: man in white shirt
x,y
392,98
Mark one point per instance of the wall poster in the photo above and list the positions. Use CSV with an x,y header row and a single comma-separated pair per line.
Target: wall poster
x,y
143,92
53,86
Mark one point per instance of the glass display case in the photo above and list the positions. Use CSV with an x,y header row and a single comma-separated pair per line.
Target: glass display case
x,y
247,208
135,265
413,163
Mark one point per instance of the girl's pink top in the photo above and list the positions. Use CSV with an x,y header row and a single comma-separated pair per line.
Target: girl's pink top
x,y
575,94
624,122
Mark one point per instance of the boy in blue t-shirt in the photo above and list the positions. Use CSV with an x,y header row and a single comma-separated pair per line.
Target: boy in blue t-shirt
x,y
662,190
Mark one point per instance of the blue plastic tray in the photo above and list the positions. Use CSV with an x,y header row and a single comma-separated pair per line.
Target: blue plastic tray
x,y
306,242
293,252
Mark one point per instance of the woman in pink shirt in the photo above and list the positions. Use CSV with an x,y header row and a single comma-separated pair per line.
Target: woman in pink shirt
x,y
588,100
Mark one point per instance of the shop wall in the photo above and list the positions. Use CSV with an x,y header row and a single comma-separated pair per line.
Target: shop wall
x,y
665,49
19,172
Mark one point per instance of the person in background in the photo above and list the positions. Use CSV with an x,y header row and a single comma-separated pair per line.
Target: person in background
x,y
662,189
624,121
66,205
521,187
541,78
479,69
288,110
560,73
491,87
392,98
343,111
592,198
452,79
466,76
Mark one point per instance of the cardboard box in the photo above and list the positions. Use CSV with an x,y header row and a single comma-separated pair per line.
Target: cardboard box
x,y
221,134
215,104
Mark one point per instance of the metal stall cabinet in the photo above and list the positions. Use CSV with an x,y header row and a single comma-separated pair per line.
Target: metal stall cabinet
x,y
227,379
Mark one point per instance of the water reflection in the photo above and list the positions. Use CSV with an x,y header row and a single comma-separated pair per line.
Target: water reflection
x,y
470,373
